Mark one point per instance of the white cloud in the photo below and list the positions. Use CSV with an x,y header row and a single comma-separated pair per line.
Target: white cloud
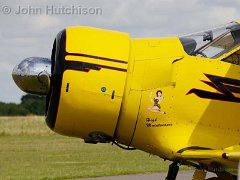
x,y
5,67
230,14
43,22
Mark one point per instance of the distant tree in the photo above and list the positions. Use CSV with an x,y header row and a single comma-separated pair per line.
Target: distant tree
x,y
30,105
34,104
12,109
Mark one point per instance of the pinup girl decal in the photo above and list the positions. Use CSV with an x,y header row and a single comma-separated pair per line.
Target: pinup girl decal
x,y
157,100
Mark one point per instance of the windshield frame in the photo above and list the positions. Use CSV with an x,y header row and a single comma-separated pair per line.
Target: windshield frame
x,y
215,42
206,46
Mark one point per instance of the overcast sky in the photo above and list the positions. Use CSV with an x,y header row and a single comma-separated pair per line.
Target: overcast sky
x,y
31,33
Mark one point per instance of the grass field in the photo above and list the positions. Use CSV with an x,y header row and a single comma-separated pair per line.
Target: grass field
x,y
29,150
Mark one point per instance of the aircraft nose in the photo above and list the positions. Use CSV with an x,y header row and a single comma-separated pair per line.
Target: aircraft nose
x,y
32,75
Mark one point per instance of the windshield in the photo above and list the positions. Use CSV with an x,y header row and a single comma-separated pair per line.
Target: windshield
x,y
214,42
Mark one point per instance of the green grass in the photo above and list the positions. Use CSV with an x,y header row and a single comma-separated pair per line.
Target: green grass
x,y
29,150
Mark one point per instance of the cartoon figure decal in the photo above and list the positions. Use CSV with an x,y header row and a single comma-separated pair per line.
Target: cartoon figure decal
x,y
157,101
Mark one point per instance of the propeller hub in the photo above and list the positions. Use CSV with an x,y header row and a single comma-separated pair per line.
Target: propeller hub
x,y
33,75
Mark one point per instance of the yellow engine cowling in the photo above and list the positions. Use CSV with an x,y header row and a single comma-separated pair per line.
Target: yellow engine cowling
x,y
89,68
103,84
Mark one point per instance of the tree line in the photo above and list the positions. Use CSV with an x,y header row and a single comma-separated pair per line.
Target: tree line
x,y
30,105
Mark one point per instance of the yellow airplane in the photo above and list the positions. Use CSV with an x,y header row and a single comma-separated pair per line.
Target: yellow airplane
x,y
174,97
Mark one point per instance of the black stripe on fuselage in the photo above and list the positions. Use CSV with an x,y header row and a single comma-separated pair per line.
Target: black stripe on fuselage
x,y
97,57
86,67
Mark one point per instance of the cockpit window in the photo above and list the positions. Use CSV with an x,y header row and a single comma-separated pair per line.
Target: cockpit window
x,y
216,48
233,58
212,43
